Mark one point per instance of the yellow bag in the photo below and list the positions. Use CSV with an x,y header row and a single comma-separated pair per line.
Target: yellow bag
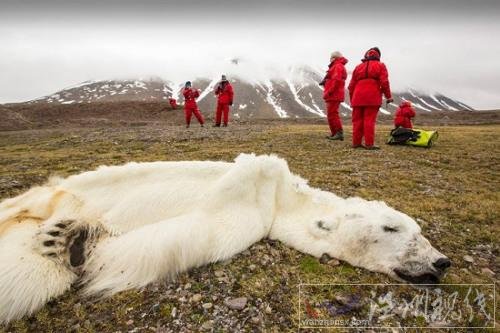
x,y
424,138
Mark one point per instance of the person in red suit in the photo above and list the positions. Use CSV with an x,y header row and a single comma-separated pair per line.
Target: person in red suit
x,y
370,80
173,103
334,92
403,116
224,93
190,106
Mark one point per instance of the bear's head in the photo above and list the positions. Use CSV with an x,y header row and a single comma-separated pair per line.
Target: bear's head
x,y
374,236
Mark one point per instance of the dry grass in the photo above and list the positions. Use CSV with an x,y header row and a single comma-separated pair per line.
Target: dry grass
x,y
451,189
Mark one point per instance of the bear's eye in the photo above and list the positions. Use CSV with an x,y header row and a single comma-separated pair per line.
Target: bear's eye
x,y
390,229
321,225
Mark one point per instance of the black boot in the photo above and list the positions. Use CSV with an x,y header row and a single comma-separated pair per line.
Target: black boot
x,y
338,136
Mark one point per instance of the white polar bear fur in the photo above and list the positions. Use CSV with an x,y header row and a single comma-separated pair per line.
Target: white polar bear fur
x,y
153,220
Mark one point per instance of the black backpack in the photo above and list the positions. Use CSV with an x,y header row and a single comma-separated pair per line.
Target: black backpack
x,y
401,135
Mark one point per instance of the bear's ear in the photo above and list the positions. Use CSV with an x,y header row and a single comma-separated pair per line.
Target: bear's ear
x,y
321,228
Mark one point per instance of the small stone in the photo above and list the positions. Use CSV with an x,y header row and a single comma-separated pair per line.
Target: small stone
x,y
268,310
219,273
324,258
129,322
342,299
224,279
488,272
174,312
468,259
333,262
252,267
196,298
187,286
208,325
237,303
207,305
255,320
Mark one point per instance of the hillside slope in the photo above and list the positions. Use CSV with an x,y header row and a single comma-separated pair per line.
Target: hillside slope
x,y
296,95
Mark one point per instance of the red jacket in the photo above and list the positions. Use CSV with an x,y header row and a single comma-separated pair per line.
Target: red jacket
x,y
369,81
403,115
190,96
335,81
224,93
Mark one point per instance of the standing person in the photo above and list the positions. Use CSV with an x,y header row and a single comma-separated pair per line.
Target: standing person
x,y
334,92
190,106
369,81
224,93
403,116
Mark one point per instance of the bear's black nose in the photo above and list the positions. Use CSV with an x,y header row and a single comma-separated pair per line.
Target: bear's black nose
x,y
442,263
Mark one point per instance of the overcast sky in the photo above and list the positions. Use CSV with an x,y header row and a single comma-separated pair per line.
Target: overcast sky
x,y
436,46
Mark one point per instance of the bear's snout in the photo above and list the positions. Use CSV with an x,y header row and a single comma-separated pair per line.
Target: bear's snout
x,y
442,264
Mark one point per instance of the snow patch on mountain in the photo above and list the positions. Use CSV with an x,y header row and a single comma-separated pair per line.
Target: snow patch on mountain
x,y
418,105
297,99
313,102
209,89
272,101
347,106
384,111
449,107
426,103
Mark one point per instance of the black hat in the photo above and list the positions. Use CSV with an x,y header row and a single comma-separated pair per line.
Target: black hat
x,y
376,49
188,83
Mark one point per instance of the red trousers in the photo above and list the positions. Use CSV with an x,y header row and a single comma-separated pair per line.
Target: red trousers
x,y
334,122
363,124
189,110
222,108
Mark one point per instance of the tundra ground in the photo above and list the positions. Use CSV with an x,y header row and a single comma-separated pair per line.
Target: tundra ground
x,y
453,190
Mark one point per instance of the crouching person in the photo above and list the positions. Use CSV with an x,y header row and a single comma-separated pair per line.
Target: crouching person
x,y
334,92
173,103
405,134
404,114
190,106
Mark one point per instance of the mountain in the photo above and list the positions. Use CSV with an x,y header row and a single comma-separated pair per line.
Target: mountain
x,y
293,94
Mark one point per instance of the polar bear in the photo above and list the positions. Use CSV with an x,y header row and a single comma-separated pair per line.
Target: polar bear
x,y
122,227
